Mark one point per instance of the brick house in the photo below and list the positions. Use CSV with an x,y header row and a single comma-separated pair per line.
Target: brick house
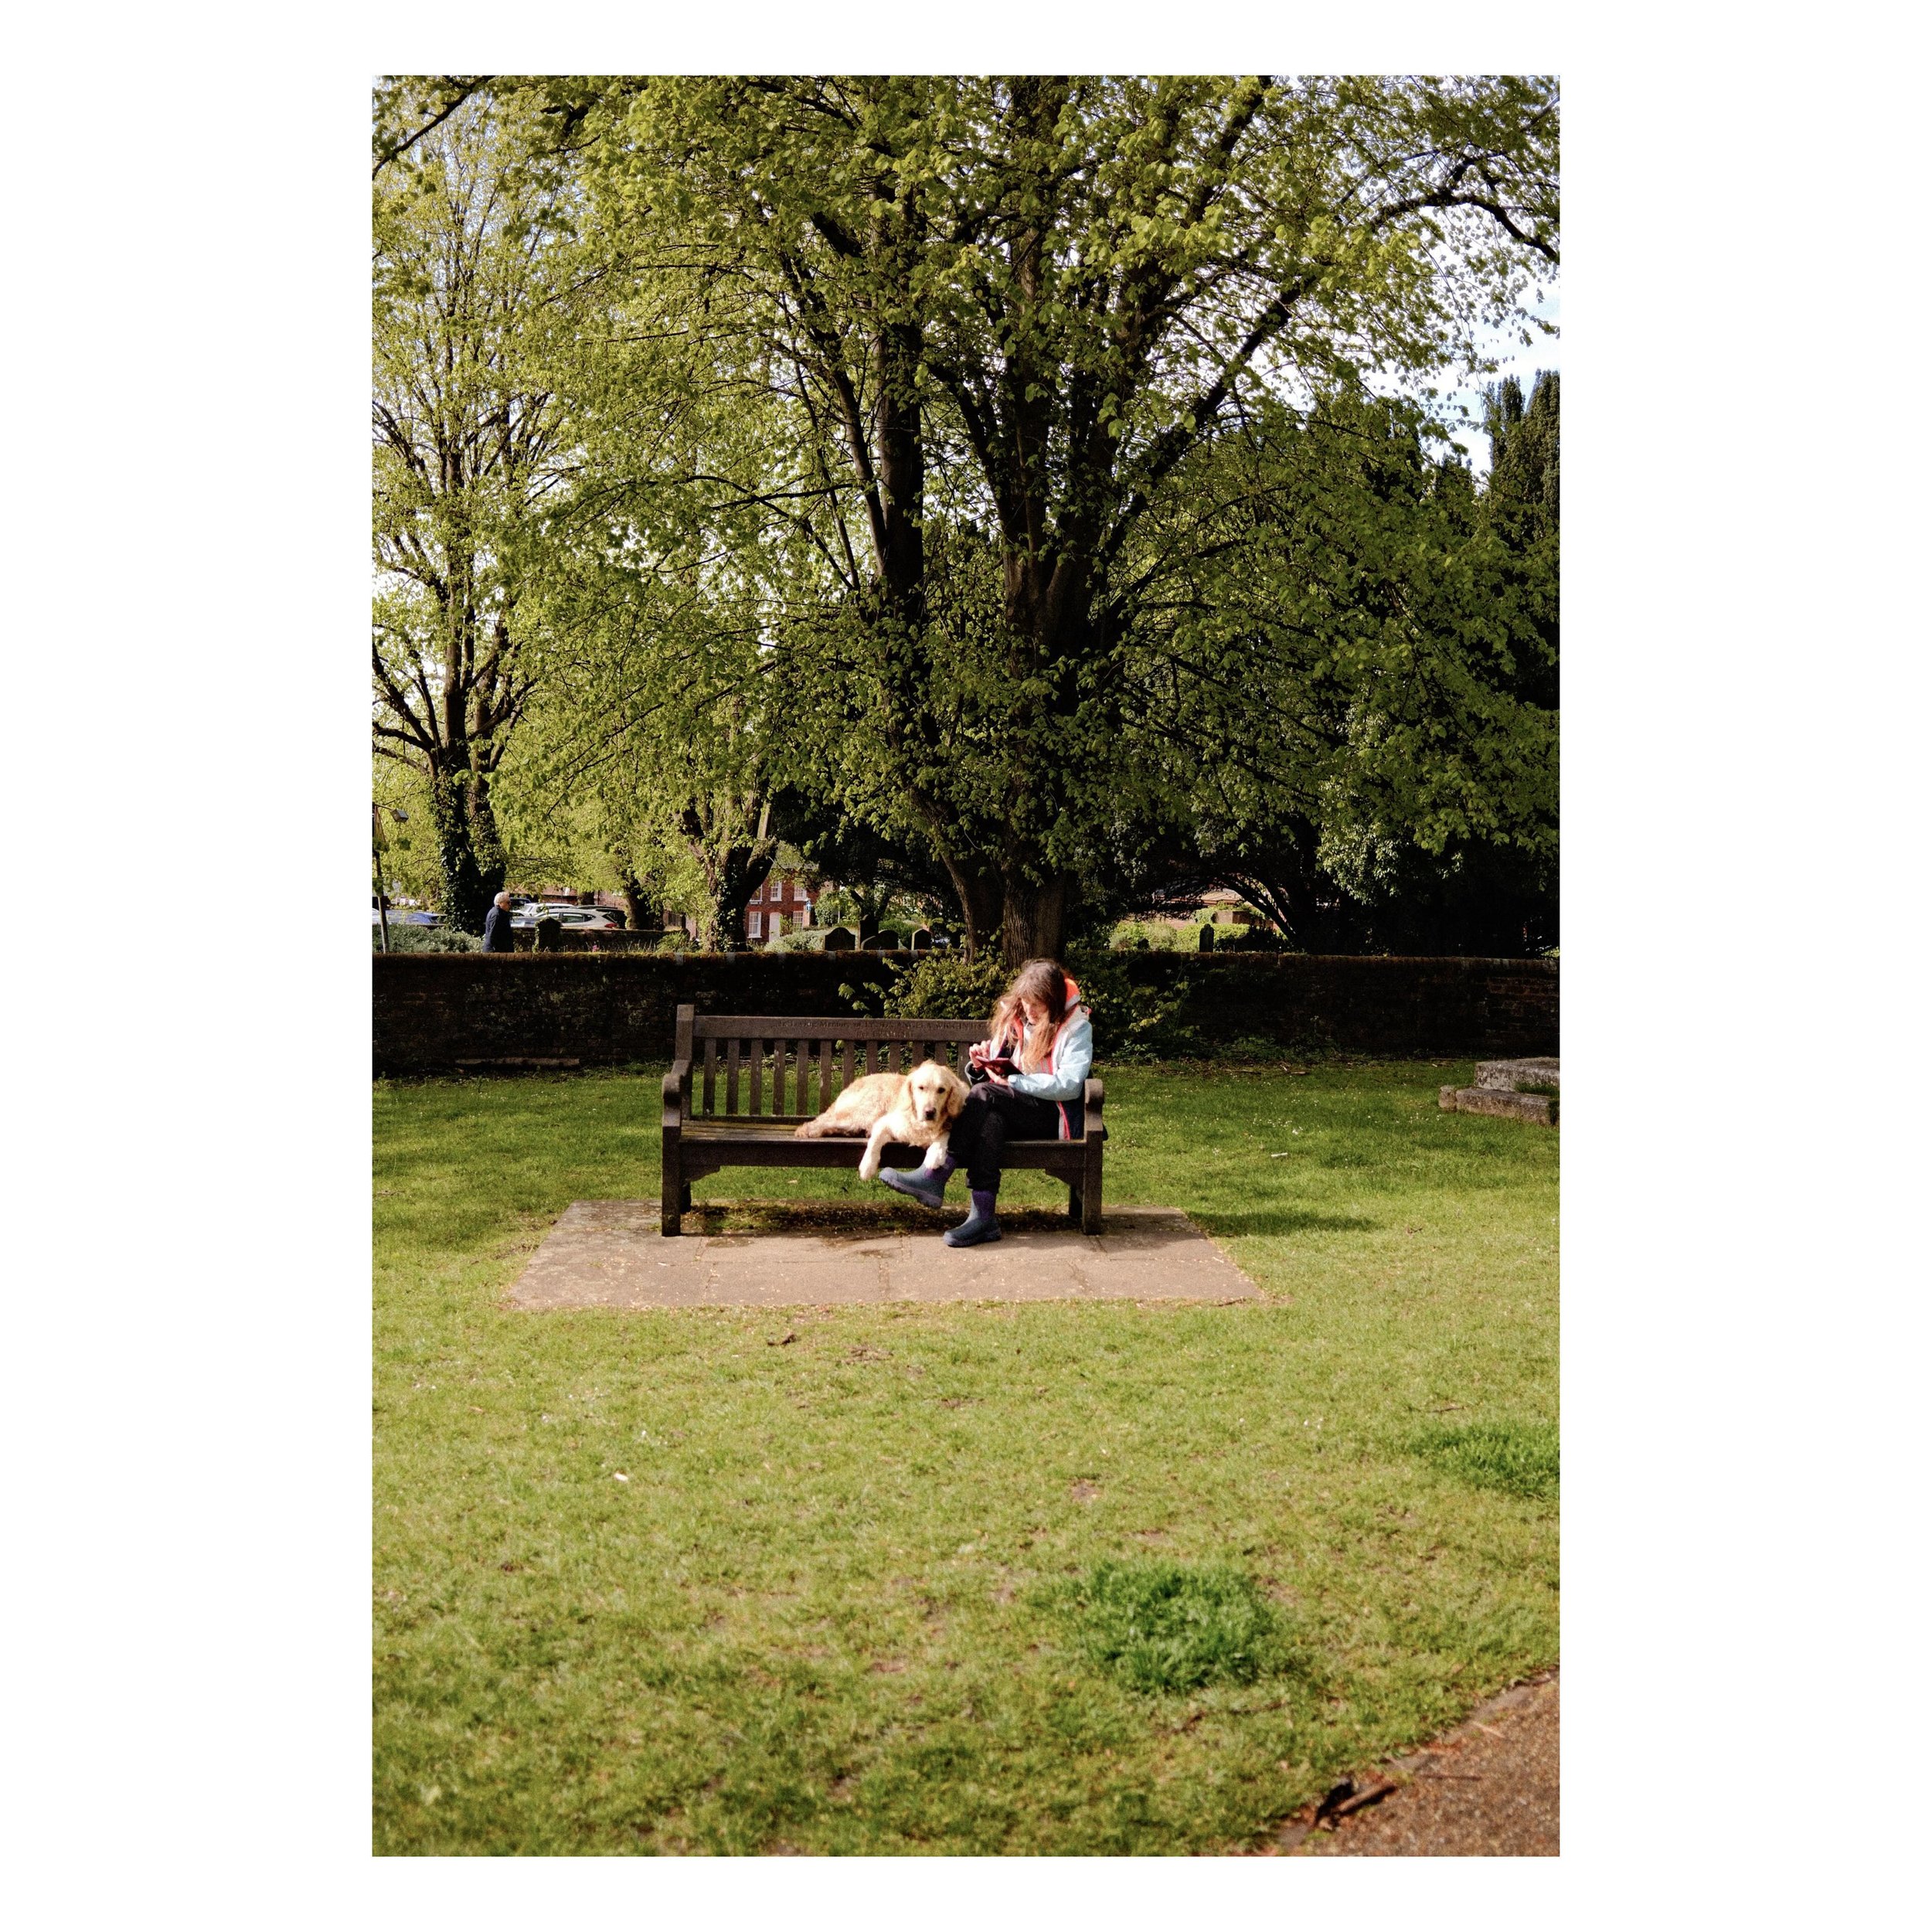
x,y
782,904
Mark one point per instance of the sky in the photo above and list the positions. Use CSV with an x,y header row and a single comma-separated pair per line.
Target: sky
x,y
1545,352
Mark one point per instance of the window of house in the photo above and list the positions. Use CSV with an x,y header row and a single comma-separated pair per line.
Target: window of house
x,y
757,923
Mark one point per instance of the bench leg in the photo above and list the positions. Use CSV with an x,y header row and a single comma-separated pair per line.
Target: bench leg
x,y
1073,1201
1090,1200
673,1195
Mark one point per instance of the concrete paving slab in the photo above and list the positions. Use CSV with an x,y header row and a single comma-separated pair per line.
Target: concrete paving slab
x,y
610,1254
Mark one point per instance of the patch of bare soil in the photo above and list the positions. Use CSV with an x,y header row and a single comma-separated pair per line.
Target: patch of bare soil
x,y
1490,1788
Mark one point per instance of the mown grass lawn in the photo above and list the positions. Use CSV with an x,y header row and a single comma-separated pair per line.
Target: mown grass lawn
x,y
829,1609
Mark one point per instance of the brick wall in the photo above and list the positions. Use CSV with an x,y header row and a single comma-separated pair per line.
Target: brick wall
x,y
1498,1007
432,1010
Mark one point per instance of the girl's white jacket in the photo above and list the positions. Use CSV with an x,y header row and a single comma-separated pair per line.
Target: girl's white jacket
x,y
1069,1062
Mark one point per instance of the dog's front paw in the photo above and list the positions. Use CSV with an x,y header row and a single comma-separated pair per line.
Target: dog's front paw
x,y
868,1165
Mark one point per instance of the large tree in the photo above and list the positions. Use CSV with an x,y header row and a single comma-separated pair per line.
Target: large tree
x,y
658,720
997,318
1355,682
472,270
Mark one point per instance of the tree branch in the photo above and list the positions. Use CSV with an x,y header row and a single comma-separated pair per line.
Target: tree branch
x,y
457,88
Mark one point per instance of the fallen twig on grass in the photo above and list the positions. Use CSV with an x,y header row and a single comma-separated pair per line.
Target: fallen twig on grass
x,y
1345,1798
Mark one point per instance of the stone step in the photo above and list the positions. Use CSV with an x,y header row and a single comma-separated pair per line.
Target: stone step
x,y
1511,1075
1539,1108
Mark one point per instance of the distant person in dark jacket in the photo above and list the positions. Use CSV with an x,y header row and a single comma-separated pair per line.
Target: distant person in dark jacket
x,y
496,926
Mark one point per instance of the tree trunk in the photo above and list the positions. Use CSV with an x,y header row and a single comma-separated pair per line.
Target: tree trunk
x,y
733,861
1033,919
1293,887
742,869
492,865
869,903
640,912
465,898
979,894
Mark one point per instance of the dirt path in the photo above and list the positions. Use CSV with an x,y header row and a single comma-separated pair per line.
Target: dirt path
x,y
1488,1789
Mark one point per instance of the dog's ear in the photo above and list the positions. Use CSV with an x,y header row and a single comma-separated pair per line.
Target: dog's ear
x,y
953,1102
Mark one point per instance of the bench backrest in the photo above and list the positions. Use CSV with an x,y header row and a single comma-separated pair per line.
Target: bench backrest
x,y
780,1066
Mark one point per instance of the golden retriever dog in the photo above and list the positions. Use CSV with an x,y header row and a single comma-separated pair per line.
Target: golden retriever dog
x,y
918,1109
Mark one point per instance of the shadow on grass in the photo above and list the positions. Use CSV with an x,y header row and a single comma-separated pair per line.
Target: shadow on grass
x,y
1284,1221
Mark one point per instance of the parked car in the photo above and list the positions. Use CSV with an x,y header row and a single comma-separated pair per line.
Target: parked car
x,y
398,915
576,919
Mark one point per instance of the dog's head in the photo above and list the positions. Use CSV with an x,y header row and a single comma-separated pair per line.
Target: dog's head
x,y
937,1094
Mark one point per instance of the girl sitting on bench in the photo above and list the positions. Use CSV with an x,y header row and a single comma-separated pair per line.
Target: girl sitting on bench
x,y
1031,1082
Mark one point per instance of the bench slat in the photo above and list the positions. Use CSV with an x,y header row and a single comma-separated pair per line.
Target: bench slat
x,y
766,1025
791,1069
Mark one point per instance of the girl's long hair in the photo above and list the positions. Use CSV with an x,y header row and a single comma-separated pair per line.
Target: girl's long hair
x,y
1044,980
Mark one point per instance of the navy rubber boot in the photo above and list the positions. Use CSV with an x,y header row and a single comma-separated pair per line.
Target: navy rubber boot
x,y
978,1226
925,1184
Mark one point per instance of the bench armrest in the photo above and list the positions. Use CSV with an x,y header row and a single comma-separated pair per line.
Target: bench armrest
x,y
1096,1098
677,1089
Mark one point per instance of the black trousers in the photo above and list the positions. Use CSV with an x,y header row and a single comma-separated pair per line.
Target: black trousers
x,y
978,1141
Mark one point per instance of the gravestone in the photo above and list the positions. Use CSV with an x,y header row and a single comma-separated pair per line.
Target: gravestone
x,y
839,940
1520,1089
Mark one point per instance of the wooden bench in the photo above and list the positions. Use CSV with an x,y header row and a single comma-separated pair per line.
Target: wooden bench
x,y
725,1100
